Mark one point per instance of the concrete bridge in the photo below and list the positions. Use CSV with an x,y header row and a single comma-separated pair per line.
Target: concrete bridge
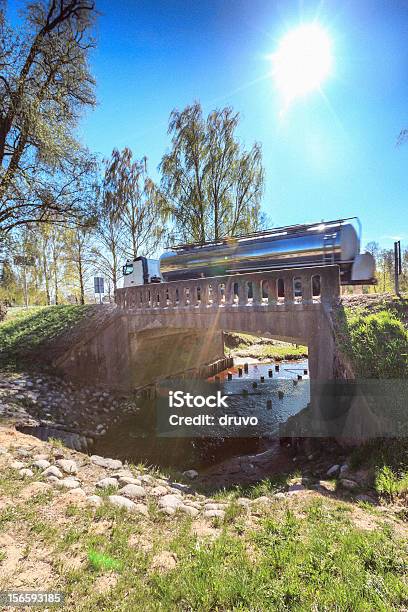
x,y
292,305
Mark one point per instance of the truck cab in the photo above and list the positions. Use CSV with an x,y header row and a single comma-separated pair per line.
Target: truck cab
x,y
141,271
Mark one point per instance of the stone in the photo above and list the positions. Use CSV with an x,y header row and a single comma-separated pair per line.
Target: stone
x,y
191,474
3,451
214,514
52,479
68,483
189,510
95,500
279,495
365,498
178,486
52,472
333,471
170,501
146,478
296,488
17,465
107,482
41,464
68,466
344,469
158,491
133,491
111,464
76,493
26,473
212,506
23,452
122,502
350,485
40,457
243,501
127,480
141,509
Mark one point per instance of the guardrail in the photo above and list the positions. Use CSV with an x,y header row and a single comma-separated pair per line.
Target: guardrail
x,y
273,288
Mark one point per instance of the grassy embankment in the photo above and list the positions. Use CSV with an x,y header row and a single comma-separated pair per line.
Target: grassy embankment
x,y
24,331
299,554
245,345
374,337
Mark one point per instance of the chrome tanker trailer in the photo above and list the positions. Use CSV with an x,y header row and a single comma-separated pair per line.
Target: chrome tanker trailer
x,y
295,246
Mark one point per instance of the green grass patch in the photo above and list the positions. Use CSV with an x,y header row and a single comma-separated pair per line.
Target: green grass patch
x,y
25,330
376,342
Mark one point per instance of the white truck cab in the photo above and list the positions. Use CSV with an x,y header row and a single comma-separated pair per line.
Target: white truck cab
x,y
141,271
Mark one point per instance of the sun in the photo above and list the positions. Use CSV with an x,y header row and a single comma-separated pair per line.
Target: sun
x,y
302,61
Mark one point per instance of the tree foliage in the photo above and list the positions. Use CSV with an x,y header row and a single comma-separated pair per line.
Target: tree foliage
x,y
45,84
211,185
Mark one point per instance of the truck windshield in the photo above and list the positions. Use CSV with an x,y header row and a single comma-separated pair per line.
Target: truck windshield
x,y
127,269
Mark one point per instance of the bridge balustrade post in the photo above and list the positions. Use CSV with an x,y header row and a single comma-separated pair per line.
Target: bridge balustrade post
x,y
288,284
216,298
272,291
330,284
172,296
185,300
204,293
242,292
256,291
306,279
229,291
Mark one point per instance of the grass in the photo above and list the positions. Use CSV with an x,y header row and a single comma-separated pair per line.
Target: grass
x,y
263,348
280,559
376,342
25,330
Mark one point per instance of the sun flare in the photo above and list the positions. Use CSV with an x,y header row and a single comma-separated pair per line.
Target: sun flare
x,y
302,61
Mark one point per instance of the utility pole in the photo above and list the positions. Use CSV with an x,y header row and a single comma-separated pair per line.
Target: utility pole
x,y
397,265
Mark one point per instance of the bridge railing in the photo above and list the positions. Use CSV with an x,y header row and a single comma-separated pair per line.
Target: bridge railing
x,y
273,288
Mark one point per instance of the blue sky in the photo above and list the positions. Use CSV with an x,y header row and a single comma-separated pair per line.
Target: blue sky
x,y
332,155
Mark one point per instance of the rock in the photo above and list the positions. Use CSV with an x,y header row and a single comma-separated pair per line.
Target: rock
x,y
41,464
23,452
191,474
17,465
127,480
344,470
107,482
76,493
168,510
122,502
214,513
296,488
365,498
111,464
141,509
68,483
170,501
213,506
52,472
279,495
52,479
188,510
158,491
133,491
350,485
26,473
325,485
243,501
68,466
178,486
333,471
3,451
95,500
40,457
146,479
